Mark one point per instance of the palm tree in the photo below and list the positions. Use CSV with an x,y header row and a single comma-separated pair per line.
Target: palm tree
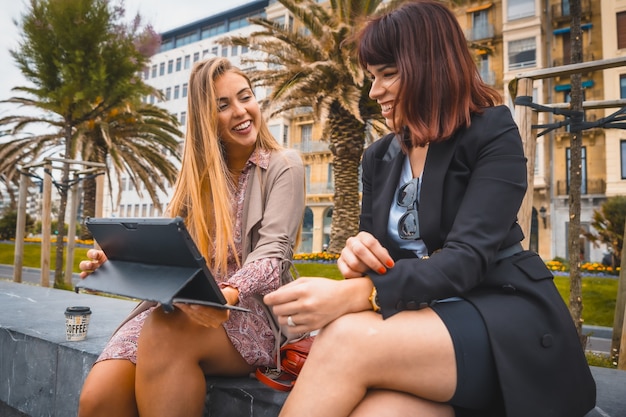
x,y
82,64
313,68
135,141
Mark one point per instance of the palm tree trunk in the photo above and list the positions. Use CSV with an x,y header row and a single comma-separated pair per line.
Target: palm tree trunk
x,y
347,136
574,230
59,281
89,205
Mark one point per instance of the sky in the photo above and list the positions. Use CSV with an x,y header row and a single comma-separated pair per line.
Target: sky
x,y
162,14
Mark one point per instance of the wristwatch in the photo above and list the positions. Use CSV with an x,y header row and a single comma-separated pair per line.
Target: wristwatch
x,y
374,300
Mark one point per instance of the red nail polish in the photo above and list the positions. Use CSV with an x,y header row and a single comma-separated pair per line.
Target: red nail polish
x,y
381,270
390,263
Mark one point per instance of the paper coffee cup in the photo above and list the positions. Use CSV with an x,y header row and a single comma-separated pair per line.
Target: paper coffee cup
x,y
76,323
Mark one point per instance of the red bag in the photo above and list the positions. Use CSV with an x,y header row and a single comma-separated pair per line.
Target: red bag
x,y
292,358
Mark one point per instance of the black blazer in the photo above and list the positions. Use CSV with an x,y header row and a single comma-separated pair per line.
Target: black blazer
x,y
472,188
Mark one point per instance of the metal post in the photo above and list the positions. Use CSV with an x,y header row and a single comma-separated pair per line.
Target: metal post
x,y
525,118
46,223
18,260
71,233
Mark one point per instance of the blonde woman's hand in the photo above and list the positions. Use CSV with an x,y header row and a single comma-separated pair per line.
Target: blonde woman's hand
x,y
96,258
310,303
363,253
204,315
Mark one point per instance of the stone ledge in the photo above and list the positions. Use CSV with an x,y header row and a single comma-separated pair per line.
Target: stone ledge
x,y
41,374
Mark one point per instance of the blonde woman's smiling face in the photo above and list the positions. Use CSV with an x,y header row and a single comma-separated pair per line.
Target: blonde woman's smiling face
x,y
238,113
385,88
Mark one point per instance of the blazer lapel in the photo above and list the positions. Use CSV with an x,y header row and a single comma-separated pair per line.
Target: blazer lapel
x,y
388,169
431,195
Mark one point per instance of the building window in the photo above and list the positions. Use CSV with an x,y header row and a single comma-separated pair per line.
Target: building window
x,y
170,66
244,49
187,61
179,64
275,131
146,73
196,57
486,74
215,50
518,9
583,172
183,118
306,136
621,30
224,52
233,51
185,90
564,7
176,92
622,145
480,25
168,93
162,68
622,86
522,54
154,71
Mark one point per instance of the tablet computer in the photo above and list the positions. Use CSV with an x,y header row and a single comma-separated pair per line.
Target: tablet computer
x,y
153,259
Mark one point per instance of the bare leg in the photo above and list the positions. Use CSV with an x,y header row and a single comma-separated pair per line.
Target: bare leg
x,y
109,390
383,403
410,352
173,357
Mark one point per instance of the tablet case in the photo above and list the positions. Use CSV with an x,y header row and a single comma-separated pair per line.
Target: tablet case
x,y
153,259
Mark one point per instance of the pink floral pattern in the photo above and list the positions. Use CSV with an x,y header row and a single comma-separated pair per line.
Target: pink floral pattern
x,y
250,333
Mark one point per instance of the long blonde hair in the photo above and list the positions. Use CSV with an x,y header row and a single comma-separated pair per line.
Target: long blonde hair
x,y
204,189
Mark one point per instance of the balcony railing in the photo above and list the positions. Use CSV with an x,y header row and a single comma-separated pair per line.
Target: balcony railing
x,y
597,186
320,188
561,13
310,147
557,62
479,32
489,77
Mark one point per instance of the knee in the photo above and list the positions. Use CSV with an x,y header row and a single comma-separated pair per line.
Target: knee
x,y
346,331
91,402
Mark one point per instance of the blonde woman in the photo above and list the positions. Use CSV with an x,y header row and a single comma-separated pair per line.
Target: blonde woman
x,y
242,197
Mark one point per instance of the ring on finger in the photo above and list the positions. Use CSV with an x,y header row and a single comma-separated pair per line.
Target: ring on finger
x,y
290,322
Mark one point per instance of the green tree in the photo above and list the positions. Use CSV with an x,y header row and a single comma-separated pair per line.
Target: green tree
x,y
83,62
312,68
608,222
8,224
137,140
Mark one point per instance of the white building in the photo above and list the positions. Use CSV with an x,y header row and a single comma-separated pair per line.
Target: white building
x,y
169,70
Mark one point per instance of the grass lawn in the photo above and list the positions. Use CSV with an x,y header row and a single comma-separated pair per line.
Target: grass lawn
x,y
599,294
32,255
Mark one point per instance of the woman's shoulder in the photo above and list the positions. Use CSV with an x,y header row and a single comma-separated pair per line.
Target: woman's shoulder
x,y
493,114
285,159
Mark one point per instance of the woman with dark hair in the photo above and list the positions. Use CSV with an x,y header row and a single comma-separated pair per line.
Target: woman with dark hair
x,y
442,312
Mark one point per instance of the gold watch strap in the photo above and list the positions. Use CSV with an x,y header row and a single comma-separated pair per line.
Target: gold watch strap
x,y
374,300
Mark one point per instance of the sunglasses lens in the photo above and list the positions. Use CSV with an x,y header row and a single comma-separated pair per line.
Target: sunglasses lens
x,y
408,227
407,194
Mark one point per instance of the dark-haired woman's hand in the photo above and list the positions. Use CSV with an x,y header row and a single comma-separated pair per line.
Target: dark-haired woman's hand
x,y
363,253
